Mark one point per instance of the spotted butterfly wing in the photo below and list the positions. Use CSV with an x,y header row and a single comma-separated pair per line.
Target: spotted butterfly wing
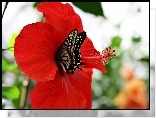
x,y
77,55
68,56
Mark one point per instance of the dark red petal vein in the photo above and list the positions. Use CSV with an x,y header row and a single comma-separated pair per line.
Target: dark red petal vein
x,y
82,81
59,93
34,51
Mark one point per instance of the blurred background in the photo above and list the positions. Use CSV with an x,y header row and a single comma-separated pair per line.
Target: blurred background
x,y
124,26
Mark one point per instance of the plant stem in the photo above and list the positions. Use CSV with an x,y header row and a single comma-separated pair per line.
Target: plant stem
x,y
5,8
24,94
7,48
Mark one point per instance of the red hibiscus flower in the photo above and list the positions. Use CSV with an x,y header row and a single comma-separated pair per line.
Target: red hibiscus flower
x,y
60,57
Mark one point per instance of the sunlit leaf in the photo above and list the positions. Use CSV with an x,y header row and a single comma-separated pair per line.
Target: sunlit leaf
x,y
90,7
10,92
116,41
16,102
4,65
13,68
8,66
12,41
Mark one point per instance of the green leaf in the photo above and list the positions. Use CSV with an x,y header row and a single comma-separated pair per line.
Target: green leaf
x,y
144,59
5,65
8,66
12,41
116,41
10,92
16,102
13,68
136,39
90,7
35,4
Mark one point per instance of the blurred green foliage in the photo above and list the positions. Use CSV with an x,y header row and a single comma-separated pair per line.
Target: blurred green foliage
x,y
35,4
10,92
136,39
5,65
9,66
109,83
13,90
12,41
90,7
144,59
116,41
106,86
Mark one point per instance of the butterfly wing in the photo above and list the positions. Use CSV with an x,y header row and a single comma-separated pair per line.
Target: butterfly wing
x,y
69,57
77,55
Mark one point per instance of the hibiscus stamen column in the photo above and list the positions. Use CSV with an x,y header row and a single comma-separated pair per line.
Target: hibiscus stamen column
x,y
103,58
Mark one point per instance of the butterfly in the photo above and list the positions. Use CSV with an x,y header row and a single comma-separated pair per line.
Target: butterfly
x,y
68,57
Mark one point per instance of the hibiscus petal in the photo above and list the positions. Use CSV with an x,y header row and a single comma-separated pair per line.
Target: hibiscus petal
x,y
61,16
66,91
82,81
87,50
35,49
